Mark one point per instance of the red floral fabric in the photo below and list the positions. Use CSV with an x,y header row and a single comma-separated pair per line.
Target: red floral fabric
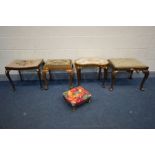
x,y
77,95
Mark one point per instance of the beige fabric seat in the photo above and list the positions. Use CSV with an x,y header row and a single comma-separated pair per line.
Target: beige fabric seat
x,y
101,63
129,65
20,65
17,64
125,63
91,61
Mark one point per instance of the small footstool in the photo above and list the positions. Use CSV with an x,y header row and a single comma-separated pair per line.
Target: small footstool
x,y
77,96
20,65
100,63
130,65
58,65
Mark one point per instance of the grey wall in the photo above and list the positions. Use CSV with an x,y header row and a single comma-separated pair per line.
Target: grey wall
x,y
75,42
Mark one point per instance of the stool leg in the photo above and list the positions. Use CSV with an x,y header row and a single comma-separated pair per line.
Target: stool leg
x,y
50,74
113,75
73,108
146,74
9,78
131,73
79,75
71,75
20,75
45,79
105,76
39,76
99,73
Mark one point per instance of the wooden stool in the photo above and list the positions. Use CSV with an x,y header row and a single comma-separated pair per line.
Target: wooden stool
x,y
57,65
23,65
129,65
91,62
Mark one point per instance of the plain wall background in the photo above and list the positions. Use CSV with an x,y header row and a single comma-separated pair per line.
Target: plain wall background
x,y
74,42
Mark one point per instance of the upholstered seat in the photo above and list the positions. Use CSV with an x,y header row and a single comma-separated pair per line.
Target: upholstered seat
x,y
125,63
17,64
58,65
100,63
20,65
77,96
129,65
91,61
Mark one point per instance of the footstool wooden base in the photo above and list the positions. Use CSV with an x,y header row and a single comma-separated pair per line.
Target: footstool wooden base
x,y
77,96
58,65
130,65
20,65
91,62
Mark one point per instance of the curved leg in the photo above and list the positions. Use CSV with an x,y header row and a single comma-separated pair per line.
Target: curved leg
x,y
99,73
105,77
71,74
131,73
20,75
39,76
50,75
45,79
9,78
113,75
146,74
78,75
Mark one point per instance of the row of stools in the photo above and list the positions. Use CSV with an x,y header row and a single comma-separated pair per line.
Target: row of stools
x,y
117,64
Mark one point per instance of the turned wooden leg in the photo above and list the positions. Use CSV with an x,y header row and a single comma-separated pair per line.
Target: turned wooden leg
x,y
10,80
131,73
71,74
146,74
50,75
20,75
99,73
79,75
39,76
113,75
105,76
45,79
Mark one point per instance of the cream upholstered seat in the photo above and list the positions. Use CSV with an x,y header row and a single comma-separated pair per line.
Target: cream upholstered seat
x,y
91,61
100,63
125,63
24,63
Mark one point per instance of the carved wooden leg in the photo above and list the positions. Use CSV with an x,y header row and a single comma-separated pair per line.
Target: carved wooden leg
x,y
113,75
50,75
99,73
105,76
71,74
45,79
131,73
20,75
146,74
39,76
79,75
8,76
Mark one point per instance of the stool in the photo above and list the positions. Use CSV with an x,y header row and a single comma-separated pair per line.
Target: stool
x,y
58,65
129,65
20,65
77,96
91,62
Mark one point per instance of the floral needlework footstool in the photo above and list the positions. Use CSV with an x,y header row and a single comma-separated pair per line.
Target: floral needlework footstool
x,y
77,96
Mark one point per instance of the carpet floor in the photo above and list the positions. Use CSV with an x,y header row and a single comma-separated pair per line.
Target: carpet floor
x,y
31,108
